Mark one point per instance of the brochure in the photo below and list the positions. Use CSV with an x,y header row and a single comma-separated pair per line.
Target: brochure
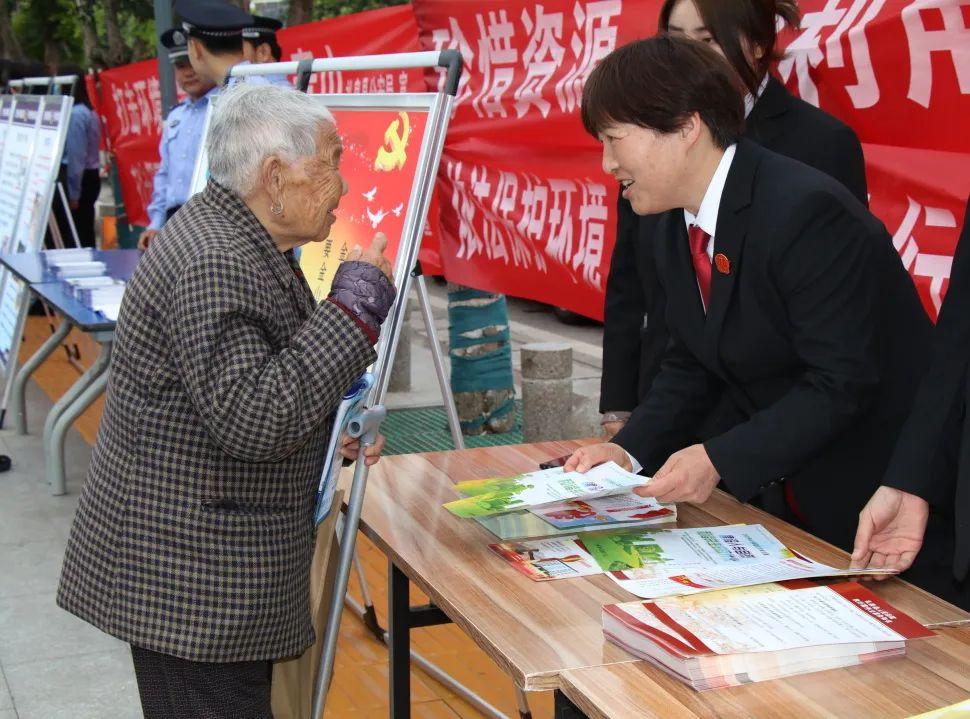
x,y
348,408
523,524
664,562
486,497
605,511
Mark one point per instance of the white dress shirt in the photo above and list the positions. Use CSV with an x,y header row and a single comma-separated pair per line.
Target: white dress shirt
x,y
706,219
750,100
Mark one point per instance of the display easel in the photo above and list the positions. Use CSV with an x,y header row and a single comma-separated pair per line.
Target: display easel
x,y
39,124
406,269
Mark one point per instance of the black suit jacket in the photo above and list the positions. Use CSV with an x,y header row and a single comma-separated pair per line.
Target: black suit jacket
x,y
816,335
634,334
937,424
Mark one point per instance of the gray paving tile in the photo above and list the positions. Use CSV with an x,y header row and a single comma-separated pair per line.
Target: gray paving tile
x,y
91,686
30,568
29,514
8,714
6,701
35,628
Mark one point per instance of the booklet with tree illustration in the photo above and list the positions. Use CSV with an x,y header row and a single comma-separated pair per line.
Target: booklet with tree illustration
x,y
665,562
487,497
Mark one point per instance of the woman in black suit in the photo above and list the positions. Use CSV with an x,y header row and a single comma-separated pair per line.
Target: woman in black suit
x,y
921,514
744,32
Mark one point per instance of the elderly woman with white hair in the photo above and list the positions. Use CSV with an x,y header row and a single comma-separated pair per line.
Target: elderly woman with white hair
x,y
194,533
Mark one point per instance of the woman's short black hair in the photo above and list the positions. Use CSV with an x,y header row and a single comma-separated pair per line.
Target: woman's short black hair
x,y
659,83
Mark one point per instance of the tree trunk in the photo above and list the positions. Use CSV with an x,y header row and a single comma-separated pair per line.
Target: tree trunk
x,y
301,11
9,46
118,51
93,51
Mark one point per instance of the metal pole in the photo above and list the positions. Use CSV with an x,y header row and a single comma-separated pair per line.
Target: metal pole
x,y
166,76
365,428
439,364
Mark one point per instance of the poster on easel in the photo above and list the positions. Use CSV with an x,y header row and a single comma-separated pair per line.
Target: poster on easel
x,y
382,144
6,111
18,147
42,177
34,146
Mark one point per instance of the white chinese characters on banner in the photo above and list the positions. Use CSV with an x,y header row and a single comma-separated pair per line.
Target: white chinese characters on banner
x,y
499,77
952,40
139,107
936,267
541,57
850,19
546,225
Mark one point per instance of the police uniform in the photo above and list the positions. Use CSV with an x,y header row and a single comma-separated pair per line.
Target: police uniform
x,y
179,146
263,30
218,18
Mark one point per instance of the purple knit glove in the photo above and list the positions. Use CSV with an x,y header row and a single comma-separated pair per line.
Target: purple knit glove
x,y
364,290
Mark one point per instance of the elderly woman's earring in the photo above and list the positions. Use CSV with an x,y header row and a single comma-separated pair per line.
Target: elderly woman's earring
x,y
276,208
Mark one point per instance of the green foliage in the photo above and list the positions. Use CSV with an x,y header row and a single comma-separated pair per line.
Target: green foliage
x,y
48,30
51,30
331,8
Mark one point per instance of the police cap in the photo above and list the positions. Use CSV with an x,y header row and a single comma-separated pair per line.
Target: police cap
x,y
212,18
262,29
176,43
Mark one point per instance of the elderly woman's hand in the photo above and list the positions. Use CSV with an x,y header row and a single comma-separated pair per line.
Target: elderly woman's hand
x,y
362,285
350,449
373,255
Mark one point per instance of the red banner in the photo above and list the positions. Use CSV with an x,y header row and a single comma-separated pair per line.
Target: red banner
x,y
131,99
898,72
527,210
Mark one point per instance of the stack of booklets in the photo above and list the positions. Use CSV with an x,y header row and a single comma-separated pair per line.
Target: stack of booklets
x,y
554,502
739,636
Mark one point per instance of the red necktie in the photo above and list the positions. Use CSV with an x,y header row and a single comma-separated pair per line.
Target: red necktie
x,y
702,263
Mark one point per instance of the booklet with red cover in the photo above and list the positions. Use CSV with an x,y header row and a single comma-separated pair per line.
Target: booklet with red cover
x,y
753,634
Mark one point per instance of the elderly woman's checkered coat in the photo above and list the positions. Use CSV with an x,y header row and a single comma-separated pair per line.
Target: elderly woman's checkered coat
x,y
194,532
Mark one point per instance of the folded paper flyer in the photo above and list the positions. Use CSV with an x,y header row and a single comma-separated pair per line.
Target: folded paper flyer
x,y
486,497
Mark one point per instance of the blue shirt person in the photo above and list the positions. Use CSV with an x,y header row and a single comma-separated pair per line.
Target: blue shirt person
x,y
80,148
260,45
80,169
181,138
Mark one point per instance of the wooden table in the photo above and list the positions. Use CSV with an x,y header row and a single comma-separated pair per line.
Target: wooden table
x,y
893,689
534,631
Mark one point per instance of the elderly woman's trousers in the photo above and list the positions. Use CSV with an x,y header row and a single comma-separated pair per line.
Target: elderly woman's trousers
x,y
174,688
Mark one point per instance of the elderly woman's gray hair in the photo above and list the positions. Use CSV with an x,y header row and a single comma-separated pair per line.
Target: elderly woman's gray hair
x,y
252,122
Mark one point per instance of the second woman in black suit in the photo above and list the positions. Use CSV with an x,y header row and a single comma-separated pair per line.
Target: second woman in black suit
x,y
743,31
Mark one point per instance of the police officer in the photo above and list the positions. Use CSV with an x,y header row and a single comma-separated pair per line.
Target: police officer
x,y
214,29
181,137
260,45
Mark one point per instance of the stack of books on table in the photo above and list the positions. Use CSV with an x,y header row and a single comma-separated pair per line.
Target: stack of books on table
x,y
738,636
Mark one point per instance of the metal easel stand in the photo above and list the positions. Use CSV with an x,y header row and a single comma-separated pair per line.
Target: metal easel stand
x,y
18,394
68,408
367,432
73,352
366,612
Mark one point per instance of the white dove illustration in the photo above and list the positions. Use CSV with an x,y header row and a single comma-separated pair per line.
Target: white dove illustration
x,y
370,193
397,210
376,217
